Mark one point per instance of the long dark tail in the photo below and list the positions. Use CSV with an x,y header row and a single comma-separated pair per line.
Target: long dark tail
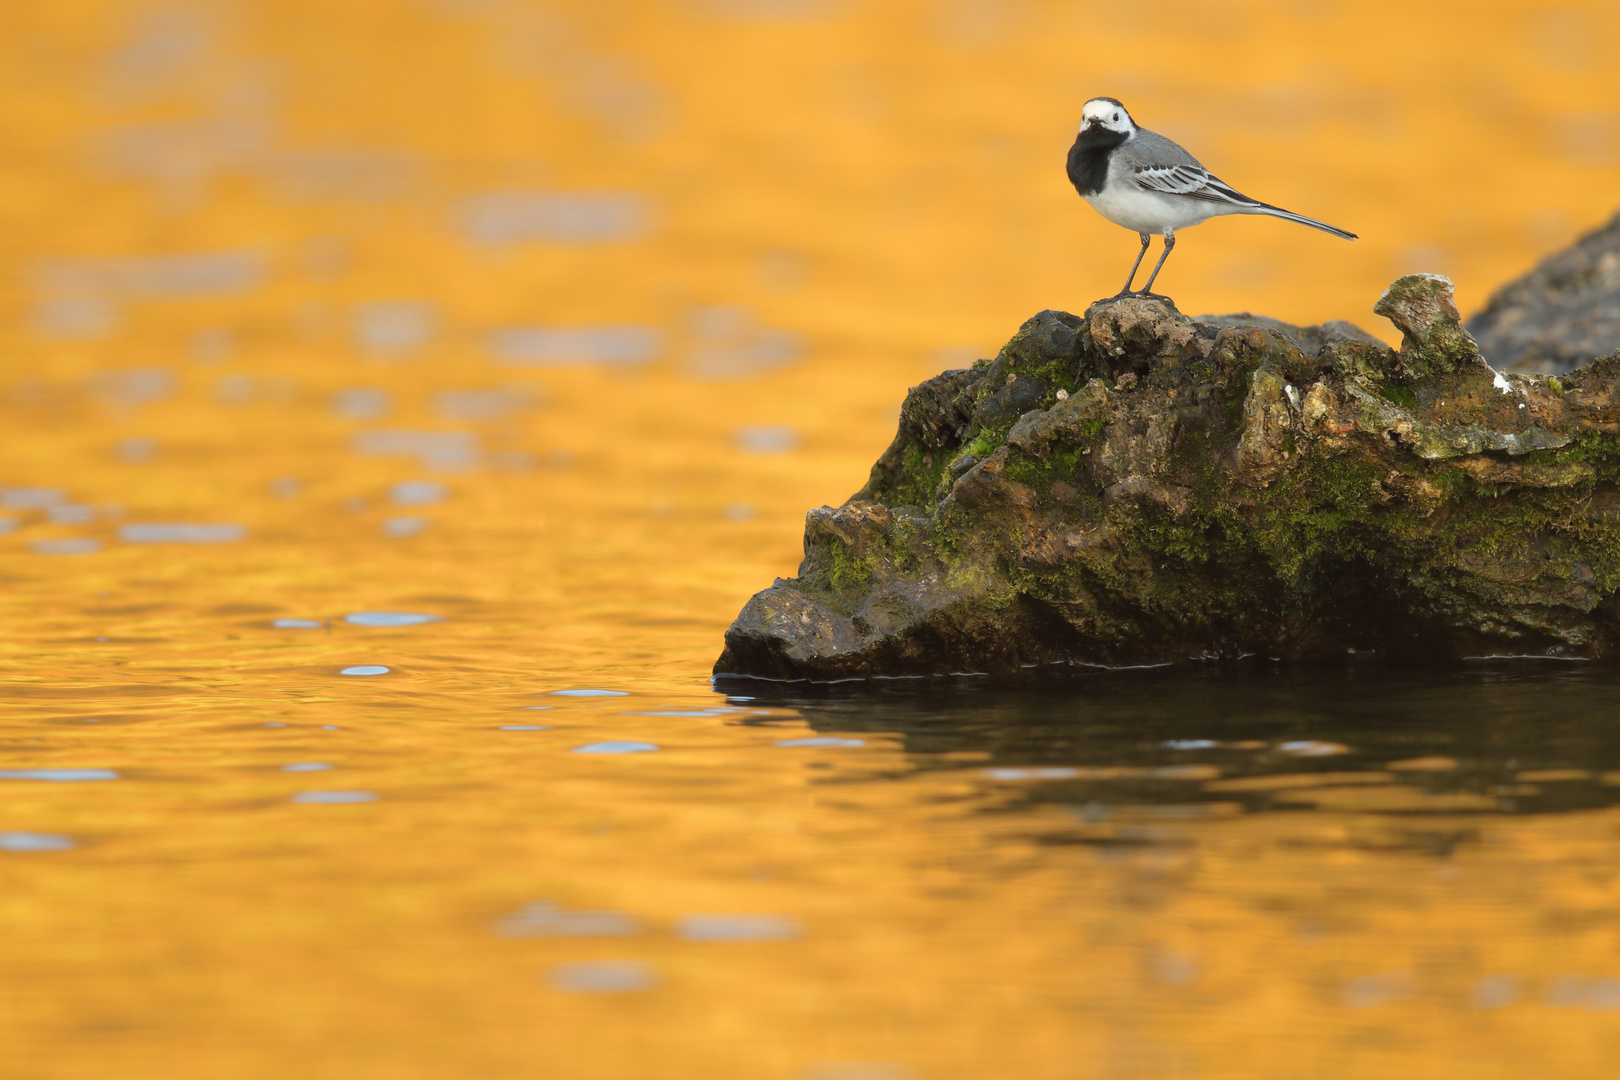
x,y
1289,215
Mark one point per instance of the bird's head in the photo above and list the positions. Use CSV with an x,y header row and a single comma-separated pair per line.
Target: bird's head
x,y
1102,114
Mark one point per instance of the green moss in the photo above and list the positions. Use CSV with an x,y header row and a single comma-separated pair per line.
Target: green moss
x,y
1455,484
846,571
1039,473
1237,549
1593,447
984,443
919,476
1494,530
1397,395
1062,373
1330,525
1325,509
960,568
1507,526
1485,520
1159,535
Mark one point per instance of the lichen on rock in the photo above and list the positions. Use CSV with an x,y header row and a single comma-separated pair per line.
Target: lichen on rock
x,y
1138,487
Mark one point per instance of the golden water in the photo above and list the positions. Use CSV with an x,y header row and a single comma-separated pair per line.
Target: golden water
x,y
804,206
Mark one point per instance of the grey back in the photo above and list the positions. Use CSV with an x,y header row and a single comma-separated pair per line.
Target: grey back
x,y
1153,151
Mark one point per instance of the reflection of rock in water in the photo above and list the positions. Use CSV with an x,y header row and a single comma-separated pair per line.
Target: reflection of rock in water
x,y
1560,315
1137,487
1126,755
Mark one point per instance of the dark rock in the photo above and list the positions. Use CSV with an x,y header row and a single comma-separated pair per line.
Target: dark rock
x,y
1560,315
1138,487
1310,339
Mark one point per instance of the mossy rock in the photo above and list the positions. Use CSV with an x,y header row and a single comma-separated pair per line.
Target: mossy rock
x,y
1138,487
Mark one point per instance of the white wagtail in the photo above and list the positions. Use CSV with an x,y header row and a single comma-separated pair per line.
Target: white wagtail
x,y
1146,183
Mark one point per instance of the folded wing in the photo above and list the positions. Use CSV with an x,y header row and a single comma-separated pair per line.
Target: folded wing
x,y
1193,181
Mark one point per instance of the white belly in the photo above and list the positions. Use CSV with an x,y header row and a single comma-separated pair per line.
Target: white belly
x,y
1141,211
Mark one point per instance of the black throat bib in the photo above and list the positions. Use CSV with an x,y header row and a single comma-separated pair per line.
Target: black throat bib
x,y
1088,158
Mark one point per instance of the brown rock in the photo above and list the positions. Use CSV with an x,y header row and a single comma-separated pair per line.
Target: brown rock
x,y
1135,486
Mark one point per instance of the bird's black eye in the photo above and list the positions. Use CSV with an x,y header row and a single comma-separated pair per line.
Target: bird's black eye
x,y
1116,118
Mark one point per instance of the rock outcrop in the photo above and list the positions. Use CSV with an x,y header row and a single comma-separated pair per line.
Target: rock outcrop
x,y
1562,313
1136,487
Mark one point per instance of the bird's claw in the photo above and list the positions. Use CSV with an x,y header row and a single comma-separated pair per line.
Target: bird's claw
x,y
1135,294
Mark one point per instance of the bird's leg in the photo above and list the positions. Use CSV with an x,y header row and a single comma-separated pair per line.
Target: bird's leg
x,y
1169,244
1135,266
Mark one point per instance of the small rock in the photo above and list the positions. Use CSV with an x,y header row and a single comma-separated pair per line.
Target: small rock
x,y
1424,308
1562,314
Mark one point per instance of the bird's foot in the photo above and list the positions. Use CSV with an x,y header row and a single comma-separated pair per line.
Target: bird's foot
x,y
1133,294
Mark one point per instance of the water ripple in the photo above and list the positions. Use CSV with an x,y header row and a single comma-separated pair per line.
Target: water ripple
x,y
58,776
390,618
335,797
546,918
737,928
34,841
821,741
615,747
603,977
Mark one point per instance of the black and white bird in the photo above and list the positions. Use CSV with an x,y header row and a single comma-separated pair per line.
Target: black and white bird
x,y
1144,182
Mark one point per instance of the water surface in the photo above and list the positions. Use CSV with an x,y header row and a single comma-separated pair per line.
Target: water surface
x,y
377,374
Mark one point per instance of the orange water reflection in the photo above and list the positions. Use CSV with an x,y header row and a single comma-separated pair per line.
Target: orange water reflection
x,y
551,321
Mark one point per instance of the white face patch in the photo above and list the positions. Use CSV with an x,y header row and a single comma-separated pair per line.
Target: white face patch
x,y
1106,114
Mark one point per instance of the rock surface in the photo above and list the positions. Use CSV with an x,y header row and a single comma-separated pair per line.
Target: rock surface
x,y
1562,313
1136,487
